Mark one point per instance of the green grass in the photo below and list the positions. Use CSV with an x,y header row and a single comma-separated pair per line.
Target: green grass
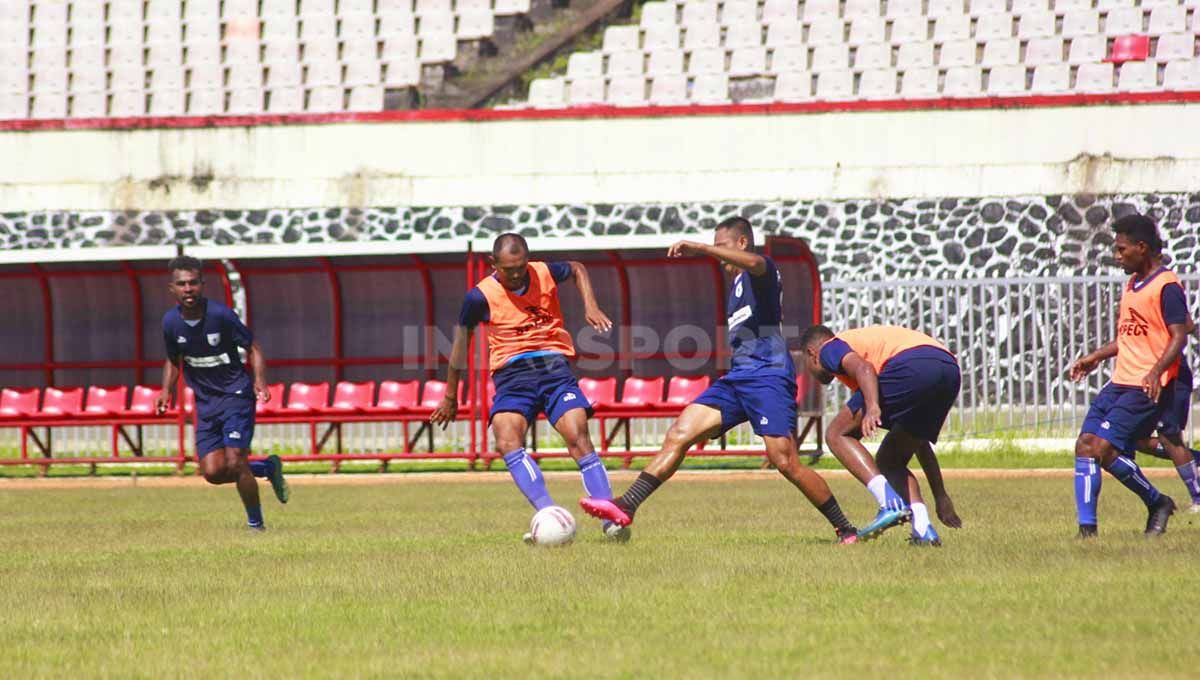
x,y
723,578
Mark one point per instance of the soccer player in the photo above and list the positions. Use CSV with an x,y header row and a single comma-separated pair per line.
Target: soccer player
x,y
1151,331
760,386
905,382
1168,444
204,336
529,347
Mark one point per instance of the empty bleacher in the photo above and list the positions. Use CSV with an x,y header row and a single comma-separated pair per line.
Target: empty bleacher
x,y
708,52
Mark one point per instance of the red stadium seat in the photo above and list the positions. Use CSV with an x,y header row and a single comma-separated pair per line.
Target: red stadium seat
x,y
106,400
396,395
17,402
432,393
142,401
683,391
1130,48
600,392
351,397
62,402
275,405
189,400
642,391
304,397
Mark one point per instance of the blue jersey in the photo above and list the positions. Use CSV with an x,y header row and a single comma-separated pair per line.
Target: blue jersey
x,y
211,364
755,312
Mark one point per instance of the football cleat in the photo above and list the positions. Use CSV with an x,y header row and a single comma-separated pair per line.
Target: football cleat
x,y
527,539
1160,513
257,527
1086,532
929,538
847,538
886,519
616,533
605,509
278,484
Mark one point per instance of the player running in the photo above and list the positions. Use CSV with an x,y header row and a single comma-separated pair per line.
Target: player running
x,y
1168,442
760,386
1151,331
529,348
204,336
904,382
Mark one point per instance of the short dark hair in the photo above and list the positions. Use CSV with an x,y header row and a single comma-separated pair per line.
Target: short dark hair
x,y
740,226
185,263
1139,229
512,242
814,334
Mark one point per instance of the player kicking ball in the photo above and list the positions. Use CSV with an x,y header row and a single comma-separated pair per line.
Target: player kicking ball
x,y
760,386
204,336
529,347
904,382
1152,328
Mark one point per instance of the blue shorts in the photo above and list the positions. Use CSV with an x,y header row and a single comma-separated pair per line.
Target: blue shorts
x,y
917,388
543,384
768,402
1174,419
224,423
1121,415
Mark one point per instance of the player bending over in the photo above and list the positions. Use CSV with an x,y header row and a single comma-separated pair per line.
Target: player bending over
x,y
205,336
760,386
1151,330
529,348
905,382
1168,442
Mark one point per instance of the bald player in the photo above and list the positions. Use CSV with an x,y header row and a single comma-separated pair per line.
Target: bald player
x,y
1151,331
905,382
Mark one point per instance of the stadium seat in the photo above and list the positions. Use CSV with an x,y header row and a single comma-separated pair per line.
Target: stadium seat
x,y
168,10
13,106
167,102
1182,76
205,101
746,62
1130,48
1006,80
668,89
877,55
867,30
743,35
600,392
547,93
953,27
734,12
919,83
978,8
106,400
861,8
793,87
908,29
820,10
121,12
1123,21
89,79
88,104
665,62
698,13
1175,47
789,60
435,24
902,9
585,65
164,32
1094,78
1087,50
1151,4
944,8
362,73
785,34
386,7
394,26
1036,25
958,53
16,402
206,76
438,48
1044,51
251,75
319,73
1023,7
710,89
307,397
830,58
401,72
432,393
1064,6
774,11
245,100
49,105
400,47
247,52
658,14
914,55
58,401
512,7
699,36
621,39
625,64
1081,22
326,99
141,402
353,397
315,8
1138,76
1001,53
877,84
994,27
396,395
827,32
707,61
285,99
627,91
642,391
963,81
1051,79
1103,5
661,37
682,391
584,91
196,55
365,98
429,7
835,85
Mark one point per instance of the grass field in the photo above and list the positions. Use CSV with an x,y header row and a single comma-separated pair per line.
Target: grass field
x,y
723,578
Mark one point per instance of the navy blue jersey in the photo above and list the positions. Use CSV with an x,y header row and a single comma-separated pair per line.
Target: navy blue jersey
x,y
211,364
755,312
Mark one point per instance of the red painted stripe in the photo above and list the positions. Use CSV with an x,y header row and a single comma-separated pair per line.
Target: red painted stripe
x,y
603,111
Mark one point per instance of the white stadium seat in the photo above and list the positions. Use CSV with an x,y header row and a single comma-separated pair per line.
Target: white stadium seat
x,y
629,63
627,91
658,14
919,83
867,30
475,25
1176,47
897,9
698,13
1036,25
1006,80
89,104
49,105
835,85
1051,79
397,25
963,81
1044,51
1023,7
907,29
585,91
1087,50
954,27
13,106
1094,78
711,60
669,90
698,36
233,9
826,32
1064,6
1165,20
400,47
748,61
994,27
621,39
739,12
958,53
980,8
861,8
1080,22
402,72
285,100
205,102
661,37
785,34
1103,5
914,55
206,77
944,8
1182,76
793,87
326,99
126,103
585,65
789,60
873,56
548,93
438,47
820,10
743,35
1123,21
1001,53
1138,76
664,62
322,73
365,98
436,24
878,84
167,103
774,11
830,58
710,89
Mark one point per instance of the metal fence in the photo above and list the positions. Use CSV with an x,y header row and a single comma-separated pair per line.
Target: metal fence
x,y
1015,339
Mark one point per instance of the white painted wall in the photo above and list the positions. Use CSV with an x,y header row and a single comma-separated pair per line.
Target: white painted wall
x,y
1099,149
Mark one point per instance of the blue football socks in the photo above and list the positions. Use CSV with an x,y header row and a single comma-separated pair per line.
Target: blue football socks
x,y
260,468
1128,473
595,477
528,477
1188,474
254,516
1087,490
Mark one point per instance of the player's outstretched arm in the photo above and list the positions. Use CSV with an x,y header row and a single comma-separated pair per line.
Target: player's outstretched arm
x,y
597,319
933,472
170,373
742,259
446,411
258,368
868,382
1088,363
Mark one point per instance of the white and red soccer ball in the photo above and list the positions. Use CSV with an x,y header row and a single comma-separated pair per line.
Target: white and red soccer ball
x,y
552,526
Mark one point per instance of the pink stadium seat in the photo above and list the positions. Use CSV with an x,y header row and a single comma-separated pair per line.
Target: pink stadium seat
x,y
141,403
600,392
106,400
353,396
62,401
16,402
275,405
432,393
304,397
682,391
1130,48
642,391
396,395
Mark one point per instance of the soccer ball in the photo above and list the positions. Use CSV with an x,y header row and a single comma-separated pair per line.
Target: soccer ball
x,y
552,526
